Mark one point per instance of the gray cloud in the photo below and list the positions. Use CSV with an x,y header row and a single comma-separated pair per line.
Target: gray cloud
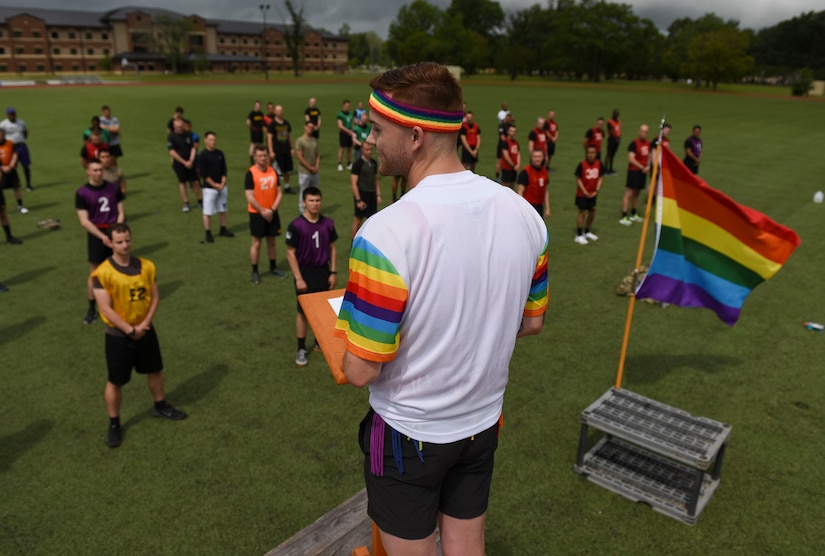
x,y
376,15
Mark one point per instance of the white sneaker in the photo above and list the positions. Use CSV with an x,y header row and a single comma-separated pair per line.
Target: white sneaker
x,y
637,218
22,210
591,236
625,221
340,168
349,166
301,358
581,240
186,207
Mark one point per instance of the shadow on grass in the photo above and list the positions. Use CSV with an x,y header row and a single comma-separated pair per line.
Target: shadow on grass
x,y
24,277
237,228
17,444
16,331
41,206
138,215
137,176
166,289
147,250
189,392
646,369
33,235
50,184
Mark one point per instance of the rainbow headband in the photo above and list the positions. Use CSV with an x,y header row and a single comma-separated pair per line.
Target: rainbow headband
x,y
410,116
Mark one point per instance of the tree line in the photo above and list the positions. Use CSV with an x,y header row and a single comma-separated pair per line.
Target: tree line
x,y
594,40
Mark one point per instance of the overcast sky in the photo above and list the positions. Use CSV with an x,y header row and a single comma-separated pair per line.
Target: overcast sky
x,y
376,15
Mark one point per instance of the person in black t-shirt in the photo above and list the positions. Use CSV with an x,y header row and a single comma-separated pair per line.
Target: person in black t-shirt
x,y
255,123
182,149
212,170
366,190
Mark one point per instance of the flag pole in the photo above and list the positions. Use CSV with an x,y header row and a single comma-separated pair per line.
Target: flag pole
x,y
632,301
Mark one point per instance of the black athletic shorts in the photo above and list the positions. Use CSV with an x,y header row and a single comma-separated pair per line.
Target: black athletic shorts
x,y
317,280
284,159
692,166
585,203
10,180
508,176
97,250
636,180
467,158
612,145
184,174
453,479
551,148
371,199
256,136
2,200
344,139
124,354
116,151
259,227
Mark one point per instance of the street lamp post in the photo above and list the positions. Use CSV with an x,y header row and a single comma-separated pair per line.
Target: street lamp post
x,y
264,9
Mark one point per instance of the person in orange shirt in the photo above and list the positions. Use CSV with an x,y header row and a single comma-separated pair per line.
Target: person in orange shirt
x,y
8,163
263,196
510,158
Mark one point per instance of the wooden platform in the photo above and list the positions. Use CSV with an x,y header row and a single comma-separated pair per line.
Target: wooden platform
x,y
337,533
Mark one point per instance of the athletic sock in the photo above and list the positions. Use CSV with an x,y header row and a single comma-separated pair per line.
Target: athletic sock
x,y
633,212
28,172
254,268
7,229
161,404
272,264
114,422
302,343
19,202
587,230
91,305
624,215
578,231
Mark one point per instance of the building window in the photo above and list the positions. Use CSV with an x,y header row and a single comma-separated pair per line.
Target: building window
x,y
221,41
19,50
35,33
151,67
72,35
73,51
105,51
317,45
105,36
90,51
88,36
58,67
75,67
55,35
38,50
17,33
2,50
22,68
3,68
41,67
92,67
244,41
234,40
256,42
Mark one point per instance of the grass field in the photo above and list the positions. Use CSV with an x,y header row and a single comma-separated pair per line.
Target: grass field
x,y
269,447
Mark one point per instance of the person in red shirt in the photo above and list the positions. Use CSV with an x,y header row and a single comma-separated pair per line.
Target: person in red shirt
x,y
470,137
510,158
537,138
588,174
666,128
532,183
552,130
594,136
91,148
638,165
614,137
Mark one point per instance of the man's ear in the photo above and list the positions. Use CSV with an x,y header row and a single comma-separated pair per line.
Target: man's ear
x,y
417,137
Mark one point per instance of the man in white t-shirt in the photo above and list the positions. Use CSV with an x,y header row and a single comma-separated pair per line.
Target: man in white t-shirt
x,y
418,290
18,133
503,112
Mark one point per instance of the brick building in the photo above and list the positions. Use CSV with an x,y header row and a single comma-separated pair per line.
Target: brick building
x,y
43,41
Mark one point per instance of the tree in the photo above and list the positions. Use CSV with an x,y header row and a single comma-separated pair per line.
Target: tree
x,y
792,44
415,22
680,34
364,49
485,17
170,34
294,36
719,56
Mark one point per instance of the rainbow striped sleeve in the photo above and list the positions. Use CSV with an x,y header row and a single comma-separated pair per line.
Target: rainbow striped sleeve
x,y
540,287
374,303
711,252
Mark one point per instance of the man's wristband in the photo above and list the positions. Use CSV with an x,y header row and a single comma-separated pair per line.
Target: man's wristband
x,y
333,272
357,200
132,333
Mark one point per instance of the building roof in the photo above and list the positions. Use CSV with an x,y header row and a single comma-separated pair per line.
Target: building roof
x,y
57,18
244,27
119,14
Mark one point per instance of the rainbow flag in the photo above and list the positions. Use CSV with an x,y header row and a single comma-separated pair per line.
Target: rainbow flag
x,y
710,251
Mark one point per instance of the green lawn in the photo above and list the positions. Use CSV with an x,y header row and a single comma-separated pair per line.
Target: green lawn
x,y
269,447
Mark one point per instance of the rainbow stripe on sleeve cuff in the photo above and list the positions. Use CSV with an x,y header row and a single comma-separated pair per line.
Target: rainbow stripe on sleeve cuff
x,y
374,302
540,287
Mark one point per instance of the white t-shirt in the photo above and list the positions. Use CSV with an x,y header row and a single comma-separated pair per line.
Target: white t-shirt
x,y
464,252
501,114
15,130
114,137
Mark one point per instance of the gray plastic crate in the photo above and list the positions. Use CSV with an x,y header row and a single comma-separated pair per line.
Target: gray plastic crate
x,y
653,453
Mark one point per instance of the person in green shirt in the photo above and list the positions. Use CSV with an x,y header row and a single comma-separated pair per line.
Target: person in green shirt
x,y
361,130
345,135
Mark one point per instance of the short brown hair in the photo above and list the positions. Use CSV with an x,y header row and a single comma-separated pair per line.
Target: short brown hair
x,y
423,85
